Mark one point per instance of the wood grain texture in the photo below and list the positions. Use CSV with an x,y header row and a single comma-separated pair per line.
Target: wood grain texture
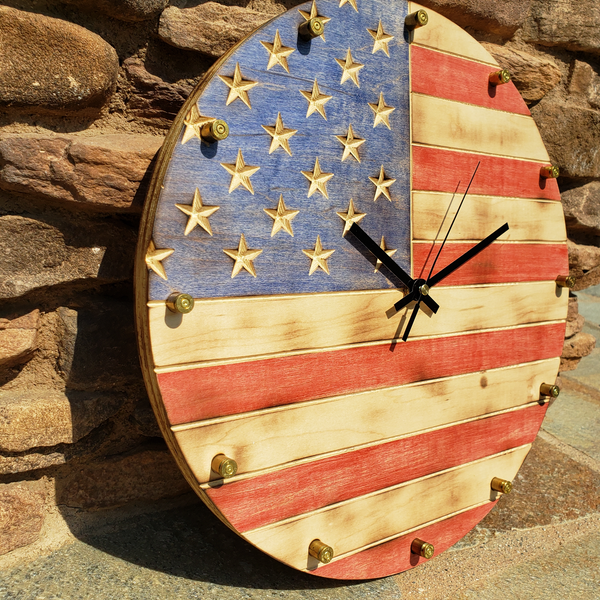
x,y
281,436
395,556
259,326
439,122
204,393
369,519
440,170
258,501
499,263
529,220
445,76
444,35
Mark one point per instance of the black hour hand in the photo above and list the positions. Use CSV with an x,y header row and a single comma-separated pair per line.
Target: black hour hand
x,y
392,266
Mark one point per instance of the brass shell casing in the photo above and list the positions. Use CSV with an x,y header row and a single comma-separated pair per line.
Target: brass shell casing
x,y
548,389
421,548
416,19
550,172
565,281
224,466
312,28
216,131
499,77
501,485
180,303
322,552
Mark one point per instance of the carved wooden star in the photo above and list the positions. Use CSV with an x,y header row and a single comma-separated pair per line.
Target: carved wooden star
x,y
318,257
194,122
277,53
280,135
351,2
282,217
240,173
316,100
154,256
351,144
198,213
382,185
382,112
381,38
243,257
350,217
350,68
238,86
390,253
314,13
318,180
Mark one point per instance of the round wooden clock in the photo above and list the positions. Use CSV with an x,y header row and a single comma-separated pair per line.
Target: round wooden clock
x,y
349,286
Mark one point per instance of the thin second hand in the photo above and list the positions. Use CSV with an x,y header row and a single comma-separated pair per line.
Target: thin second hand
x,y
453,220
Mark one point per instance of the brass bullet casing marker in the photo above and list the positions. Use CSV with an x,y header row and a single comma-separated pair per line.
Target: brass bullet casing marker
x,y
565,281
549,390
550,172
499,77
312,28
501,485
180,303
216,131
421,548
322,552
416,19
224,466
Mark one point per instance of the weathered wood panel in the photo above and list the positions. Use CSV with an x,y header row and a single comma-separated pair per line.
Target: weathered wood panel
x,y
439,122
440,170
224,329
204,393
369,519
395,556
461,80
258,501
529,220
282,435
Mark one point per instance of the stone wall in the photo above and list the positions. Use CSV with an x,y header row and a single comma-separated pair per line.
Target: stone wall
x,y
88,90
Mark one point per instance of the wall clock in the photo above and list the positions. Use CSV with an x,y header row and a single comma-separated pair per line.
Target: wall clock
x,y
306,189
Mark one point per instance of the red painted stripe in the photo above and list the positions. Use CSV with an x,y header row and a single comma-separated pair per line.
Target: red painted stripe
x,y
439,170
204,393
445,76
499,263
265,499
395,556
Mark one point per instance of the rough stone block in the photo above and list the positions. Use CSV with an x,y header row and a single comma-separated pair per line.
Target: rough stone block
x,y
210,28
574,326
534,77
584,265
149,474
582,208
107,172
97,346
572,136
124,10
37,253
571,24
501,18
579,346
52,65
18,338
37,418
21,514
153,101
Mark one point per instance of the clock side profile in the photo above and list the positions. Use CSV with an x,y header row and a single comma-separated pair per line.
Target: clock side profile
x,y
312,182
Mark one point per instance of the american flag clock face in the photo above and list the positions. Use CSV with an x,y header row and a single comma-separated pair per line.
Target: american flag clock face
x,y
349,369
